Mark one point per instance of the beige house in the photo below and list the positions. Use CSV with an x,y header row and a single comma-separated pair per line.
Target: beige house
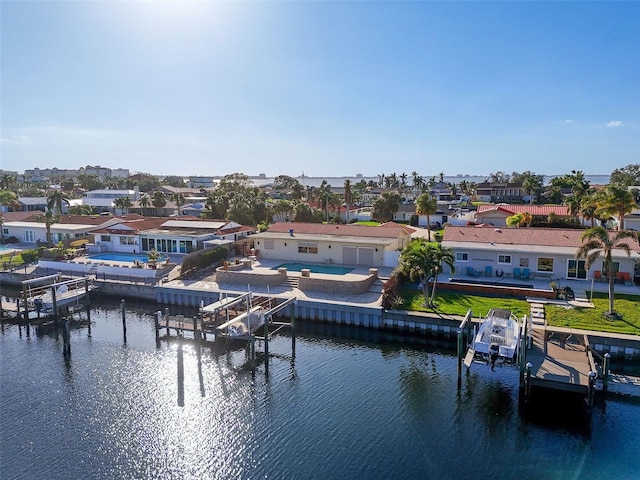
x,y
497,214
341,244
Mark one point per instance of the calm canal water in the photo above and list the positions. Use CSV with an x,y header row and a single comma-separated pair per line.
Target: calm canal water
x,y
349,405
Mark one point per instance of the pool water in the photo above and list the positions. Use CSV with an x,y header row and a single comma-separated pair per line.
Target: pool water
x,y
123,257
330,269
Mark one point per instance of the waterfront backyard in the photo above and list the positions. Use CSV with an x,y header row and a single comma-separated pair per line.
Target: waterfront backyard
x,y
557,315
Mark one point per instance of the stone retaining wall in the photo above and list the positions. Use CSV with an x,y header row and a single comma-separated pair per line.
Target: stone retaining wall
x,y
318,282
240,274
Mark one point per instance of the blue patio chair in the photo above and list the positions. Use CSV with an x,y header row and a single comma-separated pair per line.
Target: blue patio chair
x,y
487,271
526,273
516,272
471,272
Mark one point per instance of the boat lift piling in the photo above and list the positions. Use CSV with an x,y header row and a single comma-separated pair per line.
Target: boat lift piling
x,y
124,319
465,327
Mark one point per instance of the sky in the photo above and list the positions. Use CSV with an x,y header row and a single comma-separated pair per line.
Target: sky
x,y
320,88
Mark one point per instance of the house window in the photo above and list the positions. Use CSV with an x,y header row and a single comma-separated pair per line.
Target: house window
x,y
105,238
504,259
616,267
127,241
269,245
5,231
307,248
29,236
462,256
545,264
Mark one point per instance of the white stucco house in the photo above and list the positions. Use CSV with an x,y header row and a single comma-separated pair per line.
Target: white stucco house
x,y
529,253
327,243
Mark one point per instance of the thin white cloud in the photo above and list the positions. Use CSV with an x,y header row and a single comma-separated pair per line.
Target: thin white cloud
x,y
568,121
615,123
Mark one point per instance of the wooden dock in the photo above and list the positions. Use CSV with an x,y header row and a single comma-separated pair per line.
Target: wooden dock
x,y
560,360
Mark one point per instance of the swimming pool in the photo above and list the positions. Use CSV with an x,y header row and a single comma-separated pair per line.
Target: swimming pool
x,y
330,269
123,257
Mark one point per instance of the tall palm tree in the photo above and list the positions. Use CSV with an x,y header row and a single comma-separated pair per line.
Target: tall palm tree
x,y
618,201
8,199
124,203
55,201
347,197
427,205
158,200
48,218
179,199
1,229
7,181
144,201
385,206
597,241
423,261
531,184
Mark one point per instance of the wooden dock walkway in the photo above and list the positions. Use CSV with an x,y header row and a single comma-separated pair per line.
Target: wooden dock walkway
x,y
560,361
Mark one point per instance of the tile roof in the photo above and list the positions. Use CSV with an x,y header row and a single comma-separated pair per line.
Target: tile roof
x,y
542,237
542,210
339,230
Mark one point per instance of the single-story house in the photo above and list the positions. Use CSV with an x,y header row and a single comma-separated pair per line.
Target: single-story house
x,y
68,227
497,214
328,243
134,234
528,253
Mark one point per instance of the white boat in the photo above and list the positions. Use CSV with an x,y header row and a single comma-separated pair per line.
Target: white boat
x,y
497,337
244,324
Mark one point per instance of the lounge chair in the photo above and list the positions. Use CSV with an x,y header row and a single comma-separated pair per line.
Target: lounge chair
x,y
516,272
597,275
526,273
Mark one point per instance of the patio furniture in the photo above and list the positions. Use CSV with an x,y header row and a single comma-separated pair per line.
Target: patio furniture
x,y
471,272
597,275
487,271
526,273
516,272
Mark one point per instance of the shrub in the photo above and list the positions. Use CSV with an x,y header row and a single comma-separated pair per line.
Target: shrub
x,y
204,258
29,256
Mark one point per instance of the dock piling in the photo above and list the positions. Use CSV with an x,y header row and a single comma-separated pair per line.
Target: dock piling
x,y
460,354
66,338
156,321
527,381
124,319
605,372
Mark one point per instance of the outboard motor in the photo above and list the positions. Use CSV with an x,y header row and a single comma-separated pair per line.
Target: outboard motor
x,y
494,349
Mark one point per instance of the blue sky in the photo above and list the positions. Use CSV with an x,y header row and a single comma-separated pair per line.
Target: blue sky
x,y
328,88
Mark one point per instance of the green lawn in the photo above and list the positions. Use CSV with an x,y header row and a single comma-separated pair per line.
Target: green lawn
x,y
368,224
450,303
627,306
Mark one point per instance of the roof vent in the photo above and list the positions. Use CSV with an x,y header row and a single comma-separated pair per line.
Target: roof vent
x,y
497,230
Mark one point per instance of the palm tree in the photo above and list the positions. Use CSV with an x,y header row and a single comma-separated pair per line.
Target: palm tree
x,y
55,201
516,220
144,201
423,261
48,218
347,197
596,242
385,206
179,199
124,203
8,199
440,255
618,201
158,200
532,184
7,181
426,205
